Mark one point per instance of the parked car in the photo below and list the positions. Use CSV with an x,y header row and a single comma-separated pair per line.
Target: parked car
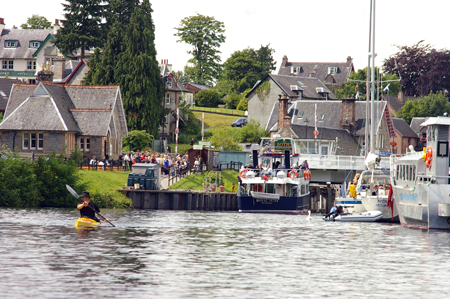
x,y
240,122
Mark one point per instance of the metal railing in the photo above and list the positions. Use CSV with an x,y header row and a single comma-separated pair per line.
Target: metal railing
x,y
340,162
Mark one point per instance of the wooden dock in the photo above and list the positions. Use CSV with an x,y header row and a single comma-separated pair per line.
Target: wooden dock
x,y
187,200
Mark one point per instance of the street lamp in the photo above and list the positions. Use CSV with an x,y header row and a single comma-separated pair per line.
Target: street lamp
x,y
164,78
306,121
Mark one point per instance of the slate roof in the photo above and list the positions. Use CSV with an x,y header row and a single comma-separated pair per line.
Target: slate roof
x,y
306,85
86,110
347,143
403,128
416,124
23,36
331,111
318,70
5,89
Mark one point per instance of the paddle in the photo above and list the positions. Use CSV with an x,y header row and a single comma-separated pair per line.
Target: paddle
x,y
74,193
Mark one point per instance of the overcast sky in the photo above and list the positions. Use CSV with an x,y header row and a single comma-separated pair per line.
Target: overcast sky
x,y
304,30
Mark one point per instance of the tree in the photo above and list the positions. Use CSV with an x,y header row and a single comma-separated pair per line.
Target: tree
x,y
138,73
207,98
82,27
205,34
431,105
351,88
422,69
252,133
244,68
137,140
36,22
225,138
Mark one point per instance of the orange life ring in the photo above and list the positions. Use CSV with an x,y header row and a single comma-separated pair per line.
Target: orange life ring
x,y
307,174
293,174
429,157
243,173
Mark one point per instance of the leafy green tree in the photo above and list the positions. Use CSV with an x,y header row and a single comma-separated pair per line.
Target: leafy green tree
x,y
1,117
225,138
137,140
81,28
36,22
232,100
434,104
205,34
243,104
207,98
244,68
252,133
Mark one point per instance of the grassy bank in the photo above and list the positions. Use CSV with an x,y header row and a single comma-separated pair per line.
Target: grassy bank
x,y
221,110
103,186
214,120
195,181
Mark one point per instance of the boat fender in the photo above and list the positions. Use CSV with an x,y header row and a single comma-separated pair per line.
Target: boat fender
x,y
429,156
293,174
307,174
243,173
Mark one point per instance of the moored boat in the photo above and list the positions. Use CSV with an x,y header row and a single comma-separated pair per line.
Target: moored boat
x,y
86,223
370,216
421,181
271,185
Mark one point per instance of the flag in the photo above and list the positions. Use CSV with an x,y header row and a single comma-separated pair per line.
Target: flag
x,y
356,87
386,89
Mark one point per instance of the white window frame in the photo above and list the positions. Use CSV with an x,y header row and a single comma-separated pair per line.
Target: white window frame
x,y
10,64
25,141
85,144
168,99
11,44
332,70
40,141
33,141
4,64
34,44
31,65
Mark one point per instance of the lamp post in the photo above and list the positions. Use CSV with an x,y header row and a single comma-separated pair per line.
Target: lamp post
x,y
306,121
164,78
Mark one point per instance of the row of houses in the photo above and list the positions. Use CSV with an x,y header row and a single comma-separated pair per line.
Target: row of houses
x,y
47,108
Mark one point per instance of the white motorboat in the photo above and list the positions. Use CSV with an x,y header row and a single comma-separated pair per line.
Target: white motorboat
x,y
421,181
371,216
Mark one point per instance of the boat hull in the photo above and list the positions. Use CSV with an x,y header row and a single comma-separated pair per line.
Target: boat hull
x,y
285,204
380,203
86,223
371,216
350,205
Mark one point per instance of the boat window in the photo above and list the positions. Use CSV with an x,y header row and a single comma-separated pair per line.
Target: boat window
x,y
303,190
270,188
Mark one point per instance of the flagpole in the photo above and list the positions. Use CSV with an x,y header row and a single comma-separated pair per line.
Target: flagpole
x,y
176,138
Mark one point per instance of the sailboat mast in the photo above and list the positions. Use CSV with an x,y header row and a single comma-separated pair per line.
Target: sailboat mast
x,y
372,91
366,127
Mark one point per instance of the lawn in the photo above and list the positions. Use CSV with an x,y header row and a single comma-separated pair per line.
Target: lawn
x,y
216,120
222,110
103,186
195,181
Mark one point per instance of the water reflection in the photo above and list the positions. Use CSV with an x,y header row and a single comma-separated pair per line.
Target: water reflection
x,y
170,254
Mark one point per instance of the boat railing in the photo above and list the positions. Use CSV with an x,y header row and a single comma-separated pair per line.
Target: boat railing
x,y
273,173
339,162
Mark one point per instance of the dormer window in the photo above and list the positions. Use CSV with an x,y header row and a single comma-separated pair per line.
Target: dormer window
x,y
321,117
300,114
34,44
11,44
296,69
332,70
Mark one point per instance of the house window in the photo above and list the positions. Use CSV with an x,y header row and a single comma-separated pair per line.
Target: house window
x,y
321,117
169,81
40,141
85,144
295,69
11,64
34,44
168,99
32,141
4,65
300,114
11,44
31,65
332,70
31,81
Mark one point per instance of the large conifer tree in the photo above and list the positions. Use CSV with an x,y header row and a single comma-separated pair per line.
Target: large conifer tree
x,y
138,73
81,28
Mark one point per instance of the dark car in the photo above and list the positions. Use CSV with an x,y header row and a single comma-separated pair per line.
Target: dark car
x,y
240,122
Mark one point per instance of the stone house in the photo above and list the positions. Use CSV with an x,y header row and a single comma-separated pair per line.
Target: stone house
x,y
263,96
49,117
348,115
405,136
332,74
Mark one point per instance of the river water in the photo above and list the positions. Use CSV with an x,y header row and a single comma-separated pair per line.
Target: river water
x,y
181,254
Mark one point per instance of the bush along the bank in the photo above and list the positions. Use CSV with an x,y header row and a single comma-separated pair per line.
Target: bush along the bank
x,y
40,183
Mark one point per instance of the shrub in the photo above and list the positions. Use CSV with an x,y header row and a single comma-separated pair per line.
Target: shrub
x,y
207,98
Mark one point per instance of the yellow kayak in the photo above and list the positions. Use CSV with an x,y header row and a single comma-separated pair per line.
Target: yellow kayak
x,y
83,223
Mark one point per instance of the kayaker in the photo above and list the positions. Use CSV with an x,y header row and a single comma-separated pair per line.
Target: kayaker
x,y
88,208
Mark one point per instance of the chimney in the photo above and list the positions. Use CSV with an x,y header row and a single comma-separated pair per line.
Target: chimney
x,y
56,26
45,74
284,121
349,60
59,68
2,24
348,115
285,61
401,97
